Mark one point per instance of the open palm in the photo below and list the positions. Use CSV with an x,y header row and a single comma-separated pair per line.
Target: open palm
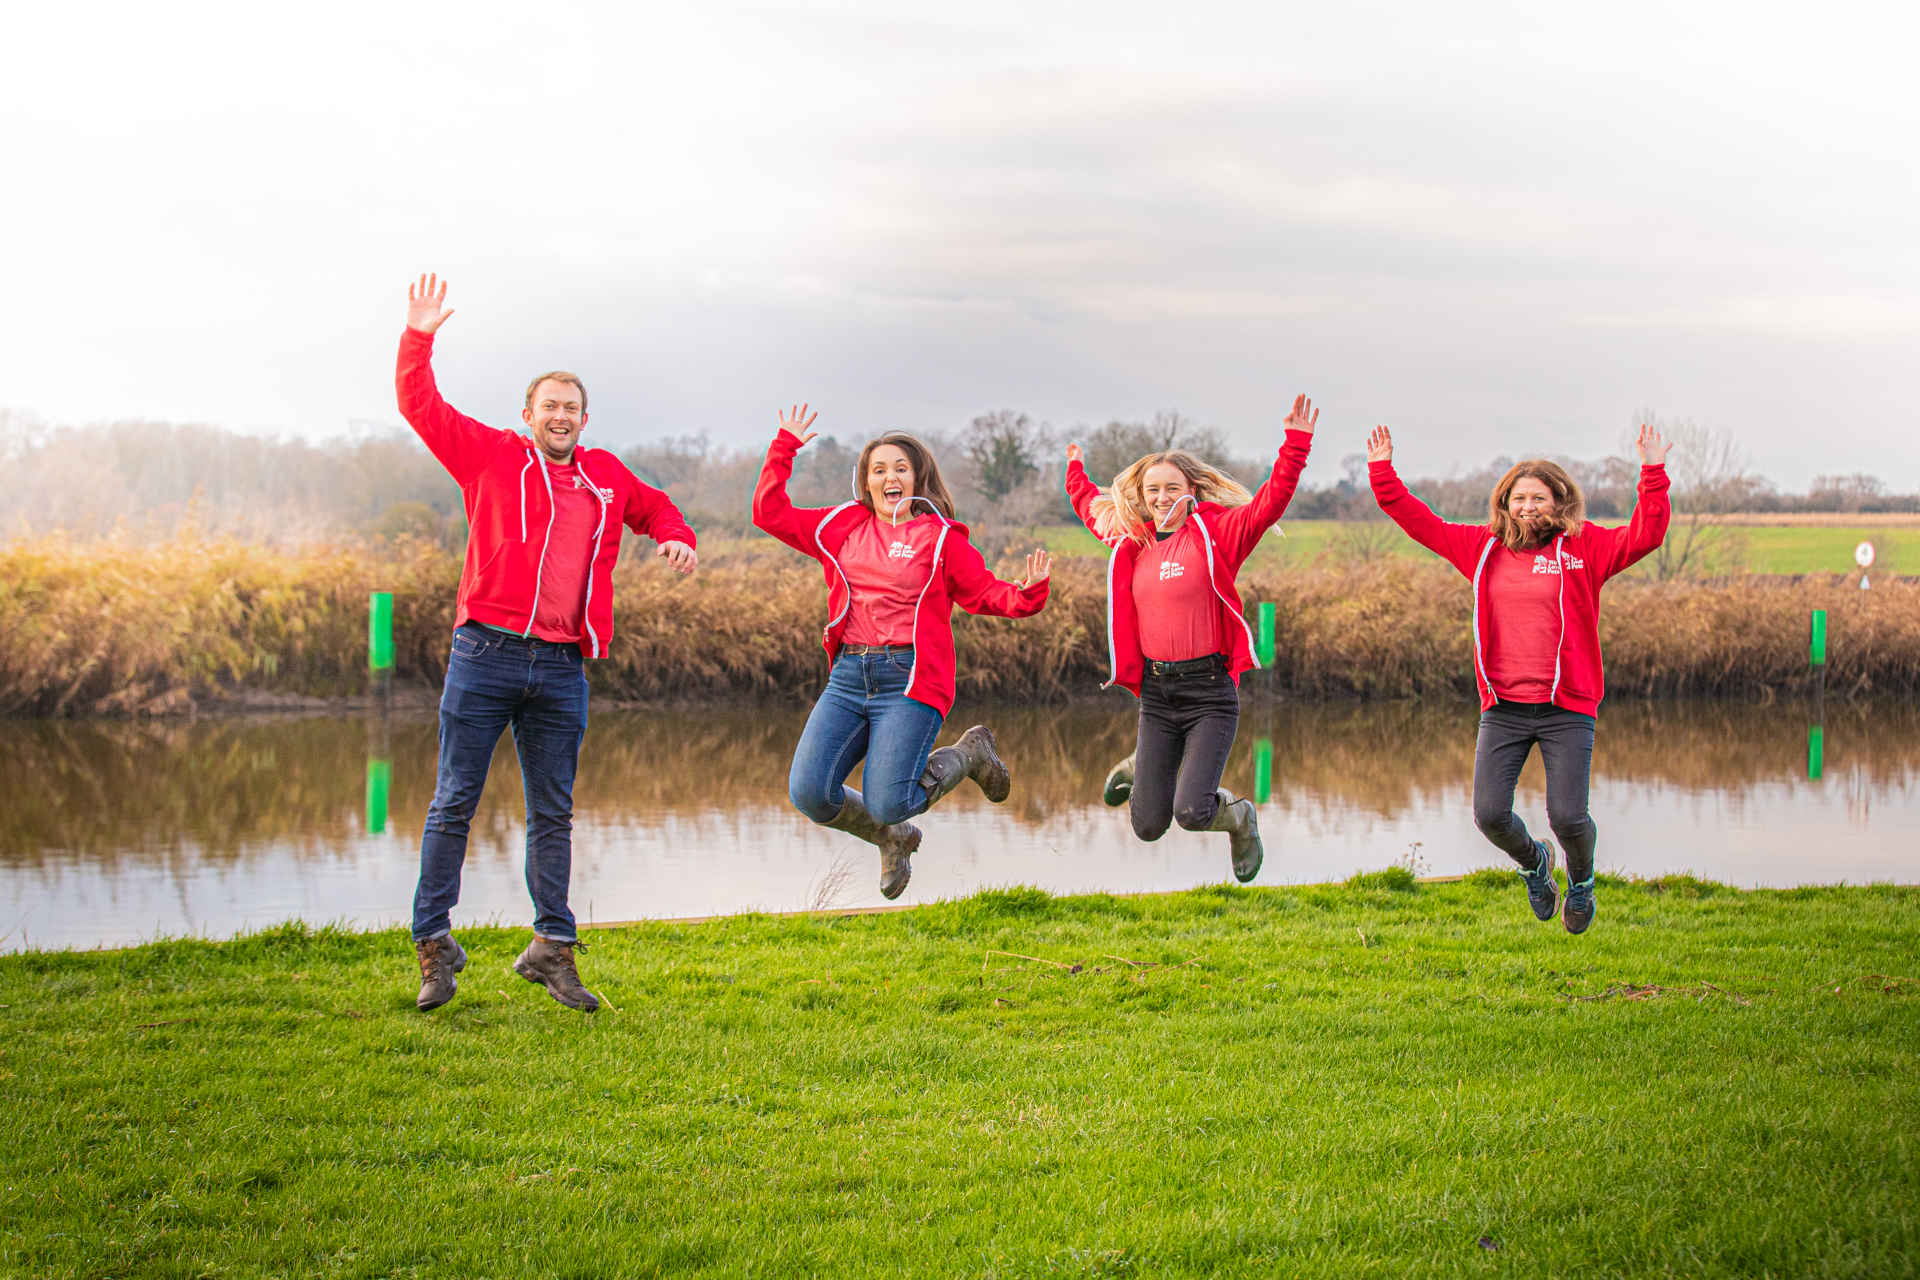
x,y
427,304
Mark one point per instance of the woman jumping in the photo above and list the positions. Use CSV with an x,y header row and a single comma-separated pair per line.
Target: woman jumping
x,y
1537,567
896,563
1176,633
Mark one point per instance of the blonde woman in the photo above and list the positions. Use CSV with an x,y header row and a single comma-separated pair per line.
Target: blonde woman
x,y
1177,637
1537,567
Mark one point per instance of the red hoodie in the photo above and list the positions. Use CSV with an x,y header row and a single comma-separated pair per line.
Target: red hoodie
x,y
509,500
1586,559
959,575
1230,535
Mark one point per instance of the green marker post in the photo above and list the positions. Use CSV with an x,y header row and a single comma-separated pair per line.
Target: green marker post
x,y
1263,643
1262,769
380,645
1816,733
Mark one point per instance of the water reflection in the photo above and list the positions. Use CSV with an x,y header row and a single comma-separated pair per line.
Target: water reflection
x,y
113,832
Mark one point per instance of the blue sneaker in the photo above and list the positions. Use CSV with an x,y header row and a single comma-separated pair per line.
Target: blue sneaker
x,y
1542,894
1579,909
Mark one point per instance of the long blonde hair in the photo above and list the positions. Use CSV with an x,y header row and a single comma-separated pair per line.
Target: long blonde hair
x,y
1569,505
1121,508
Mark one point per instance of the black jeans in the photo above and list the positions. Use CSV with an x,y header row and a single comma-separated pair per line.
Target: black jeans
x,y
1507,734
1187,723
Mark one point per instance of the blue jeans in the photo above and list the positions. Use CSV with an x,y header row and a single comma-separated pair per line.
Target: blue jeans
x,y
494,681
864,711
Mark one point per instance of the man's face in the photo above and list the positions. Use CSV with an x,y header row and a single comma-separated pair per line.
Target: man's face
x,y
556,418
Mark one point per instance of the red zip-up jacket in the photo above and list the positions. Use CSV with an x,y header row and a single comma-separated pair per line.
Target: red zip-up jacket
x,y
1586,560
1230,535
509,498
959,575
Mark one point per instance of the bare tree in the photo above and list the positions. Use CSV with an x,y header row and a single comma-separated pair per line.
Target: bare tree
x,y
1708,471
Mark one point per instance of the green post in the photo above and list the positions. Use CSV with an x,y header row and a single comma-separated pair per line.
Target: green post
x,y
1263,648
380,631
1816,750
1818,646
1262,769
379,783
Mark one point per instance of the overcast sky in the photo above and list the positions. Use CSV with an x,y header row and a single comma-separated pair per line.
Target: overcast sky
x,y
1500,228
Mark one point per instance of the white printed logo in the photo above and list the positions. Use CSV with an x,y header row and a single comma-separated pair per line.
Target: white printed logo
x,y
1171,569
1541,564
900,551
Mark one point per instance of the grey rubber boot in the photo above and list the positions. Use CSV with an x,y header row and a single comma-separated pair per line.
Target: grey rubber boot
x,y
1119,784
440,959
550,964
896,843
973,756
1236,817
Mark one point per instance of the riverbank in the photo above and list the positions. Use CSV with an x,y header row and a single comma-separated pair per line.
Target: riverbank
x,y
1378,1078
115,629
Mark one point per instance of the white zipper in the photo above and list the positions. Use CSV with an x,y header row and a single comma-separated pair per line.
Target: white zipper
x,y
539,568
523,499
1206,537
1479,660
1559,562
831,559
586,606
939,544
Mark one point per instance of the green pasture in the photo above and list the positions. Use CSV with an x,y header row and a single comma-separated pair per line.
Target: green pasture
x,y
1382,1078
1765,549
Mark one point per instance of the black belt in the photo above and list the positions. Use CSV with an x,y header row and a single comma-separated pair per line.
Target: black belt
x,y
1211,664
876,648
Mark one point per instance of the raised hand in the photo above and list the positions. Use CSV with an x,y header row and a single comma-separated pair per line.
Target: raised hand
x,y
1653,446
426,304
1074,454
1304,416
1039,566
680,557
1380,445
796,425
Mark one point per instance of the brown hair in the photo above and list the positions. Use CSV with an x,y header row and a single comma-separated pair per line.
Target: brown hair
x,y
1121,508
558,375
926,472
1569,507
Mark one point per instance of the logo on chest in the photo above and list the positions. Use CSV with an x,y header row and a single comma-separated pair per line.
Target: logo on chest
x,y
900,551
1547,564
1172,569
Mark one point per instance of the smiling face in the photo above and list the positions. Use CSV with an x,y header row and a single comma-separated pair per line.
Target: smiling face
x,y
1164,486
1530,501
889,479
556,414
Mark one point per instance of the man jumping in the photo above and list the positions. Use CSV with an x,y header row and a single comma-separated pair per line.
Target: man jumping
x,y
536,593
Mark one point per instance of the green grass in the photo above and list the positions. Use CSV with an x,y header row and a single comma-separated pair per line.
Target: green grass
x,y
1378,1078
1767,549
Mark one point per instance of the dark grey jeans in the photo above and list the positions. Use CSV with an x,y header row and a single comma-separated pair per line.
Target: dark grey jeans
x,y
1187,723
1507,733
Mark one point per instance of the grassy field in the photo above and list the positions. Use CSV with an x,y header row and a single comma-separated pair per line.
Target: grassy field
x,y
1381,1078
1755,545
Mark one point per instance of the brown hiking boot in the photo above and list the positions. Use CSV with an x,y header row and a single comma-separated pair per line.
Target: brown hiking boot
x,y
550,964
973,756
440,959
896,843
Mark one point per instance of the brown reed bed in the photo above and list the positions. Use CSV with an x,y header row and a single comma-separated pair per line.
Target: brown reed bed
x,y
144,629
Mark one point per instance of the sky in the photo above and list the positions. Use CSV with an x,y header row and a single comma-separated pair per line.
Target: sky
x,y
1498,228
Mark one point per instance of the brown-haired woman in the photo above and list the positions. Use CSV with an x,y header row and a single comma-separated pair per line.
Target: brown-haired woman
x,y
1177,635
896,562
1537,567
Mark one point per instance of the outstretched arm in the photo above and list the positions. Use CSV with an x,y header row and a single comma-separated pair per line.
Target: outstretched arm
x,y
972,586
1081,490
1652,510
773,510
1459,543
1243,526
460,443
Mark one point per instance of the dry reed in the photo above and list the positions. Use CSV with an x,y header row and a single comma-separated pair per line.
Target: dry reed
x,y
158,628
